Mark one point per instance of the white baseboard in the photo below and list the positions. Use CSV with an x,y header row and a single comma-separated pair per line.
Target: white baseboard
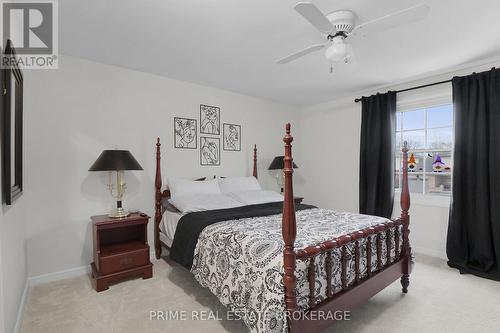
x,y
20,310
55,276
429,252
66,274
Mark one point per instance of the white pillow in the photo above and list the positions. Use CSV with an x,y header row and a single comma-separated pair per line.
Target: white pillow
x,y
256,197
237,184
181,187
200,202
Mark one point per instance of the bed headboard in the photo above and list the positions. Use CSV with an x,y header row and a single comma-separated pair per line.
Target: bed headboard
x,y
160,195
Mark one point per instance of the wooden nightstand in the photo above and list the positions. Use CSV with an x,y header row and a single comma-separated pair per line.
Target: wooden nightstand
x,y
120,249
298,200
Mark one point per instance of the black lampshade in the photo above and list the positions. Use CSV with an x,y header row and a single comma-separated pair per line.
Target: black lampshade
x,y
113,160
279,163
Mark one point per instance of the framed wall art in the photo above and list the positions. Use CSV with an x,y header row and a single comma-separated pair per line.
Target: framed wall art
x,y
209,151
231,137
185,133
209,119
12,131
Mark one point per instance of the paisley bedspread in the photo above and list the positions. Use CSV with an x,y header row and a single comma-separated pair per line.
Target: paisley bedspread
x,y
241,262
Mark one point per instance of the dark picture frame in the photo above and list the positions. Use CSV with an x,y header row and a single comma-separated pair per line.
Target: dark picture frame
x,y
209,119
231,137
183,133
12,94
209,151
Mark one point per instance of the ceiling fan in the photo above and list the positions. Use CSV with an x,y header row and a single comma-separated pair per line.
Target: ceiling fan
x,y
338,26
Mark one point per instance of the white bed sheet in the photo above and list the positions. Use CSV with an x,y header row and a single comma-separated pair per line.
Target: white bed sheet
x,y
167,241
168,226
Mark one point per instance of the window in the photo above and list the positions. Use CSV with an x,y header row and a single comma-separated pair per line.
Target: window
x,y
429,133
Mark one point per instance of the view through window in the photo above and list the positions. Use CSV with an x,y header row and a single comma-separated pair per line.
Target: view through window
x,y
429,133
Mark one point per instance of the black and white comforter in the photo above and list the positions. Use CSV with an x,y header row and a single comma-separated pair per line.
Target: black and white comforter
x,y
241,262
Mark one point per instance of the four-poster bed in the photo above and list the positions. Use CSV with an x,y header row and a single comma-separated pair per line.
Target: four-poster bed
x,y
339,273
162,196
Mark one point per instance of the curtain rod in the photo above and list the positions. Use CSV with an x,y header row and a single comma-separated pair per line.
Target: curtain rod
x,y
413,88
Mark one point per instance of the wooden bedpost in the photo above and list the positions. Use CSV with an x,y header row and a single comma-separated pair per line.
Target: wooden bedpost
x,y
405,217
157,201
289,227
255,161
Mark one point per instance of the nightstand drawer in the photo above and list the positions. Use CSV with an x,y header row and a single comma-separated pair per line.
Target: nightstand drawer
x,y
117,262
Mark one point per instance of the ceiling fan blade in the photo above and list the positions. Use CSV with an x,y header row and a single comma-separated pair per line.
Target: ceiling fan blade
x,y
311,13
301,53
401,17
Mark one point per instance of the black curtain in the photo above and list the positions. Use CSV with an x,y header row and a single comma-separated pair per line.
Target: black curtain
x,y
473,244
376,172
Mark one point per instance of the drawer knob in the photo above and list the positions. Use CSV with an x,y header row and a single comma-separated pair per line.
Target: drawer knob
x,y
126,261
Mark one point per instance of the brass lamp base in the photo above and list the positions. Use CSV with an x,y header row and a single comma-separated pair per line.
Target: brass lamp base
x,y
118,212
120,186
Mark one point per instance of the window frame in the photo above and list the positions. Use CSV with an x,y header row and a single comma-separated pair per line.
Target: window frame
x,y
424,197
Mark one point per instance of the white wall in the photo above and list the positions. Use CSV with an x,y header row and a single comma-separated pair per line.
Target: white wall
x,y
328,157
73,113
13,270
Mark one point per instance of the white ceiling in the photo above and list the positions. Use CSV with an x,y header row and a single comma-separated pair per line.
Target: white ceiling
x,y
233,44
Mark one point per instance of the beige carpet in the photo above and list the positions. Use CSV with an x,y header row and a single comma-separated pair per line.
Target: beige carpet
x,y
439,300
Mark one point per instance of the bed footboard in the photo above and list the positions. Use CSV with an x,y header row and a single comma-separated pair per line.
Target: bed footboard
x,y
362,288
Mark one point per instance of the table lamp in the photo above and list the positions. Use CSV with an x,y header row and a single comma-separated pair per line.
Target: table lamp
x,y
119,161
278,163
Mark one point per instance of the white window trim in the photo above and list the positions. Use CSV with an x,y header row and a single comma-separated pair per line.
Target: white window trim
x,y
425,97
432,200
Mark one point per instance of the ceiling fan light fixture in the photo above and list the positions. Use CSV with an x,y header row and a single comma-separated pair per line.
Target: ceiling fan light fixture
x,y
337,51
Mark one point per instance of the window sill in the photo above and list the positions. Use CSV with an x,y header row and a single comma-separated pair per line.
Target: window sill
x,y
426,200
